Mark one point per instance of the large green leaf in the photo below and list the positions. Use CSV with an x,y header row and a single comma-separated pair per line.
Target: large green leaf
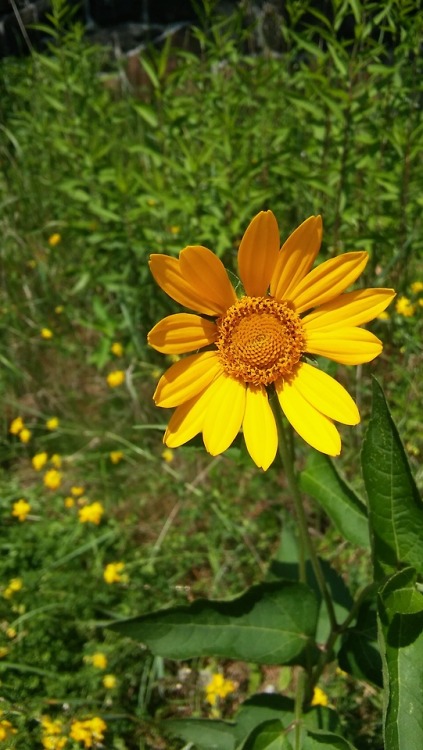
x,y
317,740
347,511
271,623
395,507
268,736
400,608
359,654
206,734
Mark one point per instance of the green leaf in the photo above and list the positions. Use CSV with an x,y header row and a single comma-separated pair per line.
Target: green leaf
x,y
321,480
271,623
317,740
401,637
268,736
260,708
206,734
359,654
395,507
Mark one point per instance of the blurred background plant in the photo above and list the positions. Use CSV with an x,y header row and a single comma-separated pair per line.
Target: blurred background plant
x,y
97,173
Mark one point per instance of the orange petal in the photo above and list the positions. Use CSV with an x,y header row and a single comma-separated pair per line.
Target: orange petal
x,y
326,394
224,413
186,378
205,273
327,280
348,346
258,253
167,273
316,429
181,333
259,427
351,309
296,257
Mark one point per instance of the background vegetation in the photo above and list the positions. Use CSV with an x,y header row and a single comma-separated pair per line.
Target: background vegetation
x,y
97,173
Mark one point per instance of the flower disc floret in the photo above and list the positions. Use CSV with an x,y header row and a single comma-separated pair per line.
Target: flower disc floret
x,y
260,340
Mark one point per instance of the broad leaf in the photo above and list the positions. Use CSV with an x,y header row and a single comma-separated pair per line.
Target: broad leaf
x,y
317,740
401,636
271,623
395,507
206,734
347,511
267,736
359,654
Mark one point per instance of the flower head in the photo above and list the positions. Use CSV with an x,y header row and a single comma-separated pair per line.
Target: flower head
x,y
7,730
25,435
109,681
46,333
91,513
405,307
416,287
89,731
39,460
113,573
115,378
54,239
52,423
98,660
52,479
218,688
16,426
21,509
117,349
168,455
52,737
115,456
319,697
56,460
77,491
15,584
257,344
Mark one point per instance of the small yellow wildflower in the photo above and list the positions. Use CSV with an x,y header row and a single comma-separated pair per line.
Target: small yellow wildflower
x,y
21,509
109,681
58,309
113,573
218,688
174,229
89,731
52,423
115,378
77,491
416,287
404,307
3,651
319,697
52,737
7,730
168,455
156,372
117,349
39,460
52,479
25,435
99,660
11,633
16,426
383,316
15,584
69,502
91,513
56,460
46,333
54,239
115,456
421,302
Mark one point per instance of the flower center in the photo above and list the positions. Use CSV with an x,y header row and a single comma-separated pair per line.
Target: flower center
x,y
260,340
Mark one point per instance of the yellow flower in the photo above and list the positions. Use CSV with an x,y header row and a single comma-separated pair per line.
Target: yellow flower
x,y
46,333
3,651
319,697
52,737
15,584
115,378
113,573
52,479
77,491
69,502
25,435
167,455
218,687
383,315
174,229
16,426
98,660
117,349
115,456
91,513
90,731
39,460
7,730
11,633
56,460
21,509
52,423
258,343
109,681
405,307
416,287
54,239
58,309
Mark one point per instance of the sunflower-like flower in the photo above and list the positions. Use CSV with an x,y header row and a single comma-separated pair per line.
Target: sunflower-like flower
x,y
256,343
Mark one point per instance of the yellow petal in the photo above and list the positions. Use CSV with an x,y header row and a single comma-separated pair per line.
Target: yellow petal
x,y
186,378
224,414
326,394
167,273
348,346
181,333
296,257
205,273
327,280
187,420
316,429
351,309
258,253
259,427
